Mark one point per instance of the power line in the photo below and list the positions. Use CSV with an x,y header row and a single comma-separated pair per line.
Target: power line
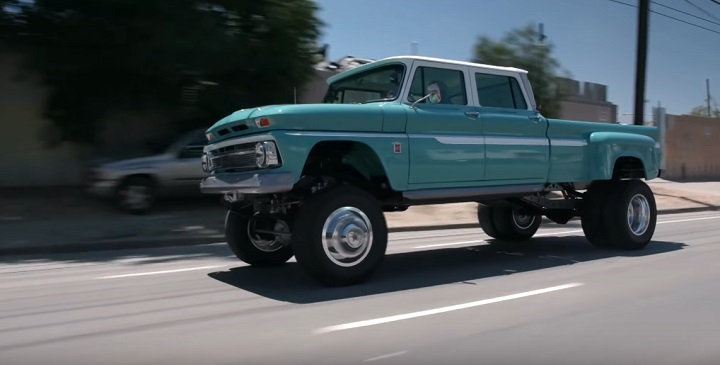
x,y
703,10
686,13
671,17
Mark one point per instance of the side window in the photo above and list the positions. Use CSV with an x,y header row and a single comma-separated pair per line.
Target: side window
x,y
499,91
451,82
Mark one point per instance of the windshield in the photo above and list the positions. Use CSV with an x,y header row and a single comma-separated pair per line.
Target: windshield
x,y
379,84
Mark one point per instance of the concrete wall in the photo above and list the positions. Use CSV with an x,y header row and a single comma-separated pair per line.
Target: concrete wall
x,y
24,159
692,148
586,101
588,111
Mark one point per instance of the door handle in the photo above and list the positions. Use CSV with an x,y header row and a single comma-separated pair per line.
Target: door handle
x,y
472,114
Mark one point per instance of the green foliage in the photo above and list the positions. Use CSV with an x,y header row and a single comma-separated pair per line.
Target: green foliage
x,y
702,111
102,55
521,48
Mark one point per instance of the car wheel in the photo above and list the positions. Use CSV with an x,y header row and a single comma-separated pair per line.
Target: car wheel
x,y
341,236
252,239
630,215
136,195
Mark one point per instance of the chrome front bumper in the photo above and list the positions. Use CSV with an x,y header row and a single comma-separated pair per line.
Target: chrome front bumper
x,y
248,183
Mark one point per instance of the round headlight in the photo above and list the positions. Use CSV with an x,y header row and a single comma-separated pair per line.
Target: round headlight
x,y
260,155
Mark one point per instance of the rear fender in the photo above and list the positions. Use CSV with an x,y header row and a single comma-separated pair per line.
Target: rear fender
x,y
607,147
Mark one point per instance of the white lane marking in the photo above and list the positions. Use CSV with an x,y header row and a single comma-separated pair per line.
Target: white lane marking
x,y
480,241
429,312
450,244
561,233
399,353
160,272
690,219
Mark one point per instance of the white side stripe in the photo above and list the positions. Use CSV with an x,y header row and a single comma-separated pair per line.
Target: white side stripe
x,y
461,140
568,142
517,141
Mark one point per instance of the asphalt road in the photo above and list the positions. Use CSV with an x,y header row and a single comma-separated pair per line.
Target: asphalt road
x,y
442,297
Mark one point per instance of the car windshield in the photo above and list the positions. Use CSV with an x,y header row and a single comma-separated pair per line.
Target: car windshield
x,y
379,84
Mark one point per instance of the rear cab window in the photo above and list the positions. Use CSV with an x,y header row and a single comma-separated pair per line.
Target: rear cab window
x,y
499,91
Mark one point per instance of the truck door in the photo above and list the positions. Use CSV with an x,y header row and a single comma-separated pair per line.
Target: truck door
x,y
445,135
516,145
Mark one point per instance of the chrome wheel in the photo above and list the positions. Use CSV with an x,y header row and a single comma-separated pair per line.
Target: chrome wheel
x,y
638,214
269,235
523,220
347,236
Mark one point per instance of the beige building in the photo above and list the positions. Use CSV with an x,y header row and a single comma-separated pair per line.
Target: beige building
x,y
691,151
586,101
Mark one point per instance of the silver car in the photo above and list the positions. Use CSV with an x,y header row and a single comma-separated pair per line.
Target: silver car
x,y
134,184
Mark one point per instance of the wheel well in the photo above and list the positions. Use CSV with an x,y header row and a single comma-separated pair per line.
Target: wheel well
x,y
351,162
627,167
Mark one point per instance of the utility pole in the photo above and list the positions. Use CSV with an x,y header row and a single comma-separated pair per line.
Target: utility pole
x,y
707,86
414,48
641,60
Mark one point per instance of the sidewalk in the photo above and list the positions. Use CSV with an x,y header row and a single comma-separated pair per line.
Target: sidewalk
x,y
66,222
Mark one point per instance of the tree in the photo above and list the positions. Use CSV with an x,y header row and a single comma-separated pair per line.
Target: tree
x,y
522,48
102,55
702,111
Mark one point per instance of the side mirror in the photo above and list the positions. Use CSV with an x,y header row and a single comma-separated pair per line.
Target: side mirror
x,y
434,90
434,95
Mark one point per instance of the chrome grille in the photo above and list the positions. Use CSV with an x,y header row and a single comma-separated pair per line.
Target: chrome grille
x,y
236,157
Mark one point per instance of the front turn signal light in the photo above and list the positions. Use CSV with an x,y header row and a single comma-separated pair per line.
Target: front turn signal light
x,y
262,122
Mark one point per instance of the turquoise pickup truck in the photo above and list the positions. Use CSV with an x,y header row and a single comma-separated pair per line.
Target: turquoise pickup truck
x,y
314,180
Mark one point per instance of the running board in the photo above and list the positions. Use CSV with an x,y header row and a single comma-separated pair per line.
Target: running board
x,y
462,195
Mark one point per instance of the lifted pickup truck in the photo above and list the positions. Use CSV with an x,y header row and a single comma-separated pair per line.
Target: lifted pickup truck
x,y
314,180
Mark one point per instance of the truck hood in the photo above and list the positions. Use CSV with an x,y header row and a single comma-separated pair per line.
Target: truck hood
x,y
326,117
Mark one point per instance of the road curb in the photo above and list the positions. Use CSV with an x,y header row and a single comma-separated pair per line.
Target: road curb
x,y
174,241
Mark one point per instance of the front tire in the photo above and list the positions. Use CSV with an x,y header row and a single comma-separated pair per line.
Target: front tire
x,y
341,236
258,248
508,223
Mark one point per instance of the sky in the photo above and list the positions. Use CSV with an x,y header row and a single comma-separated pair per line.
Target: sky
x,y
595,40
